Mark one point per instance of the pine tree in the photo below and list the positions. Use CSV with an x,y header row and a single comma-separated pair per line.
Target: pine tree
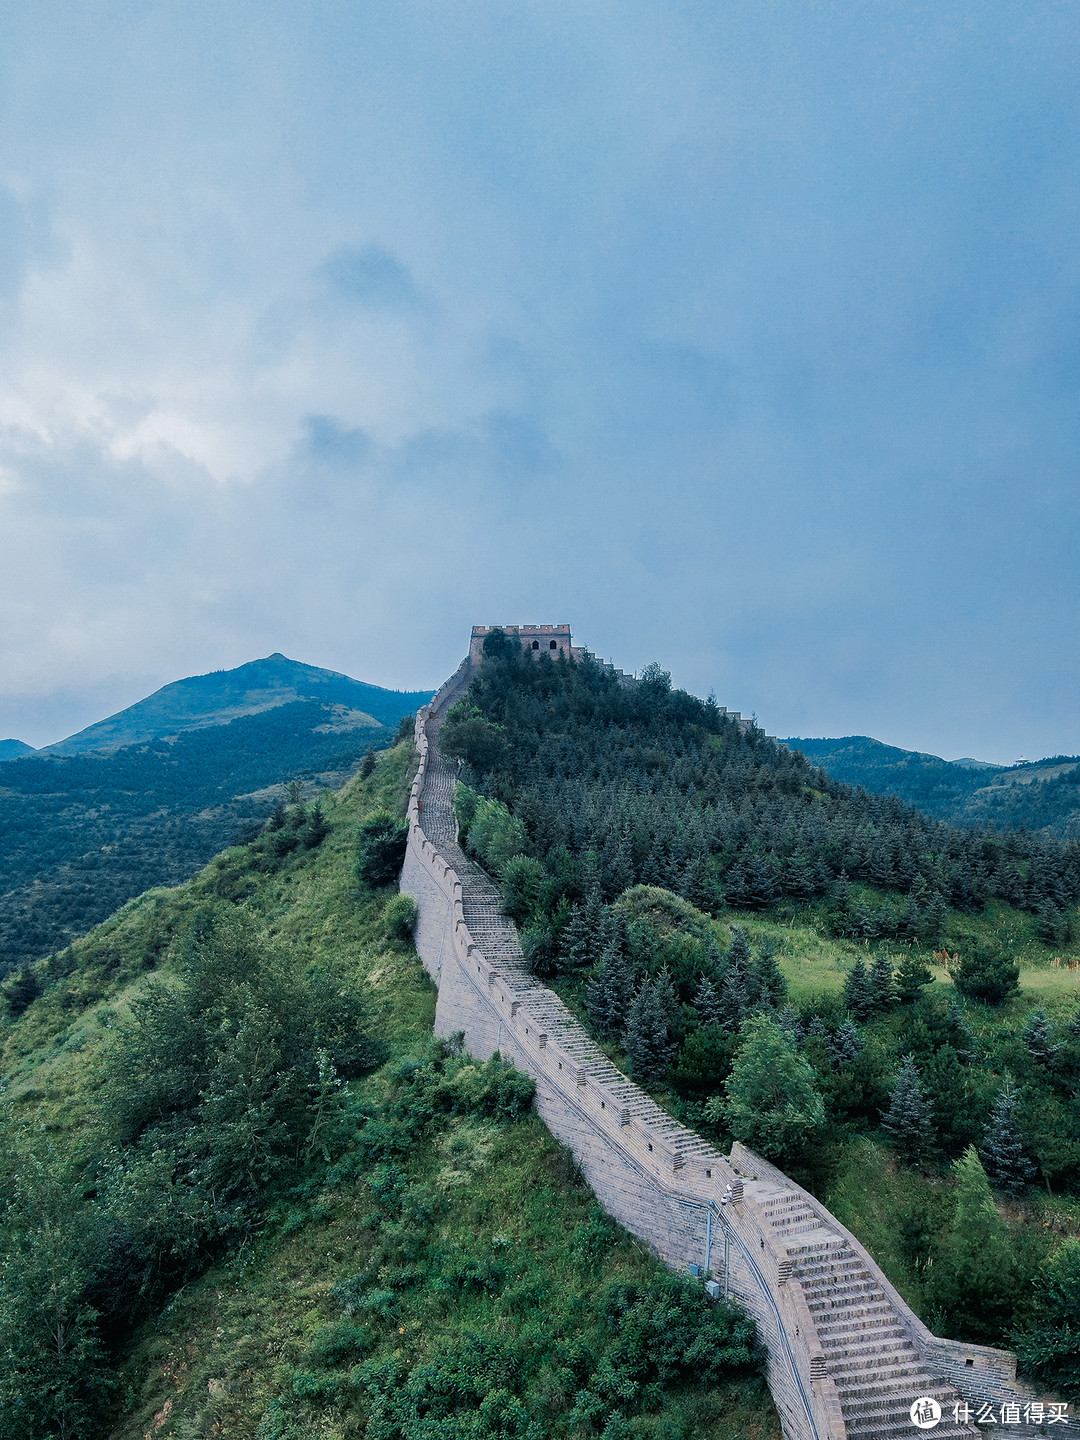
x,y
707,1002
277,818
880,985
698,885
368,765
1073,1026
584,939
864,921
789,1023
21,990
846,1045
842,894
799,880
766,986
1053,924
646,1039
908,1118
1003,1152
316,829
733,1000
911,919
911,976
858,997
973,1272
607,997
667,998
1038,1037
617,867
934,916
739,953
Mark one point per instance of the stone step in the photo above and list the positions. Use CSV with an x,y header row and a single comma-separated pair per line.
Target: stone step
x,y
902,1429
840,1330
884,1402
891,1350
848,1373
875,1390
840,1261
841,1290
819,1247
851,1341
843,1307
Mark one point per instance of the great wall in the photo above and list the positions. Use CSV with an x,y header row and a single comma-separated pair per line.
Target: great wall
x,y
847,1357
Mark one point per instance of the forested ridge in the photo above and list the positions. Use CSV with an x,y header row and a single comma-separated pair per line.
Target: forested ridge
x,y
864,995
646,784
1043,795
81,834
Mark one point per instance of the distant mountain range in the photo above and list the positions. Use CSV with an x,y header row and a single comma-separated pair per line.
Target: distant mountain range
x,y
1041,795
146,797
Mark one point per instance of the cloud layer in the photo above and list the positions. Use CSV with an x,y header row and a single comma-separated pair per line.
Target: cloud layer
x,y
744,337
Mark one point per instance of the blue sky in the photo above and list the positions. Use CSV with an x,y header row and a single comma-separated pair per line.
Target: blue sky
x,y
743,336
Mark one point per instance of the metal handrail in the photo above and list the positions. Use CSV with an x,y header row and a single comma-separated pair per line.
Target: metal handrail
x,y
764,1287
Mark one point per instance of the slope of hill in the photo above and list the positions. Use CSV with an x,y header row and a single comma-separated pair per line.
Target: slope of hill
x,y
12,749
1043,795
203,700
147,796
275,1210
81,834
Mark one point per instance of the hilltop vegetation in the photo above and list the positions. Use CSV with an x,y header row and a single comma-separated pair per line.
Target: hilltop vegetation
x,y
81,834
863,994
244,1193
1044,795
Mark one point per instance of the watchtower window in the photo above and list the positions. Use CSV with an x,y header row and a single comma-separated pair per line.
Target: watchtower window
x,y
552,645
536,645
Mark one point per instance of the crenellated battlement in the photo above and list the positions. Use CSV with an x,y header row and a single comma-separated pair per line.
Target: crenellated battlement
x,y
551,640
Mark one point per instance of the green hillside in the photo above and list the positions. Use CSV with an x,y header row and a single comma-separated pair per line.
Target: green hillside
x,y
244,1194
1041,795
81,834
223,695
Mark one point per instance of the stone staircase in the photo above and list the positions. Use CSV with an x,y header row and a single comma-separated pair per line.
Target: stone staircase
x,y
870,1355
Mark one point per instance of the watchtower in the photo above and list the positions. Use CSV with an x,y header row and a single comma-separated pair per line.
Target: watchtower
x,y
553,640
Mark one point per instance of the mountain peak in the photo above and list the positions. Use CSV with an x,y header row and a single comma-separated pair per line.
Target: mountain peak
x,y
12,749
223,695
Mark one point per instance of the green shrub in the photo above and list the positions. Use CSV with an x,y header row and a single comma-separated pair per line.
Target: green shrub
x,y
522,885
467,736
773,1103
988,974
464,807
381,848
1048,1348
495,836
399,918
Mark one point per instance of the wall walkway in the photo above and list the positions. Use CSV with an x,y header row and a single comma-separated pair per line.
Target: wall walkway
x,y
847,1356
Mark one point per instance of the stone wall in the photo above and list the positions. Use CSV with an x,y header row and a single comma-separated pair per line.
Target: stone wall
x,y
701,1211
